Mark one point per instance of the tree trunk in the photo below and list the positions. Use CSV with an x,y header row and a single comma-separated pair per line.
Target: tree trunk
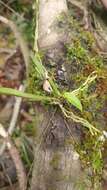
x,y
49,12
56,164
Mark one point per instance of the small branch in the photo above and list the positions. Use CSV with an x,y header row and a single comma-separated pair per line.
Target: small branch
x,y
20,40
10,9
15,112
19,166
26,115
25,53
77,4
83,8
14,118
15,157
37,25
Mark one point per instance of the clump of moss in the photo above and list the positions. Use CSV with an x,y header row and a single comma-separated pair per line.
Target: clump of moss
x,y
80,51
91,156
82,58
76,51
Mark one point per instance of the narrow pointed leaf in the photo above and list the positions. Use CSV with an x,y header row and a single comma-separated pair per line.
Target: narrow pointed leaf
x,y
32,97
73,99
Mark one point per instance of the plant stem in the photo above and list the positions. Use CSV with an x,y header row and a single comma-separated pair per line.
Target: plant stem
x,y
54,87
32,97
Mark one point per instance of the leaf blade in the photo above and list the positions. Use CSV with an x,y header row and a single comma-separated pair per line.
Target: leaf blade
x,y
73,99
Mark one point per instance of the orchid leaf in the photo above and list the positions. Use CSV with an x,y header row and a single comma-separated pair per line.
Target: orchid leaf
x,y
73,99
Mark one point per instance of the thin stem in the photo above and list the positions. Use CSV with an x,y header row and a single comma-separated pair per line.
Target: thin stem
x,y
37,26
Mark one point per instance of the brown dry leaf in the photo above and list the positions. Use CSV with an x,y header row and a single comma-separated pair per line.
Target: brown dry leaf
x,y
47,86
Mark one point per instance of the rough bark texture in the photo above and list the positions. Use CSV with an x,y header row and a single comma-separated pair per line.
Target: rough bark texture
x,y
56,164
49,13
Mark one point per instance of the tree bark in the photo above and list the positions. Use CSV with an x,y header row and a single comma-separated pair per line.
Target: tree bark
x,y
104,3
49,13
56,164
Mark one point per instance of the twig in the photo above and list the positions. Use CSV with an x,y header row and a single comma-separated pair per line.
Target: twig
x,y
14,118
11,9
19,166
7,176
15,112
82,8
37,25
77,4
26,115
25,52
16,158
20,40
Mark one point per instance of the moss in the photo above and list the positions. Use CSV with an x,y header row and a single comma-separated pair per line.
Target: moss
x,y
91,156
80,52
30,129
55,161
69,141
81,59
76,51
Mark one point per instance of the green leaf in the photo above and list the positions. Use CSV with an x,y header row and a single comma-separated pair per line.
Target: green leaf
x,y
32,97
72,99
39,67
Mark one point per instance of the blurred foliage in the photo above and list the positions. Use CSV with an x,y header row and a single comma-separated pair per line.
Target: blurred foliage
x,y
21,13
